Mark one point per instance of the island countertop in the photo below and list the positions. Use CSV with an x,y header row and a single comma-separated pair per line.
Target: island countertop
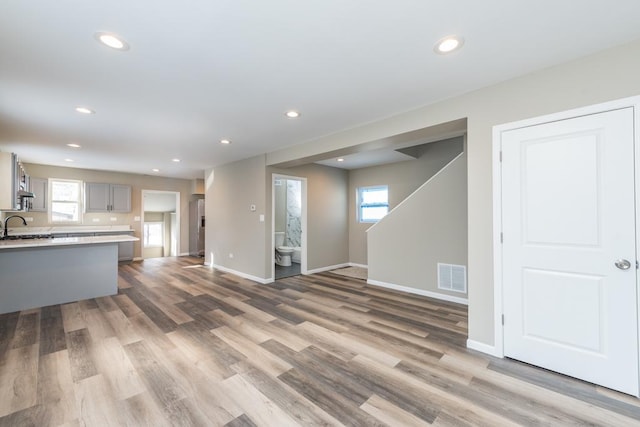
x,y
64,241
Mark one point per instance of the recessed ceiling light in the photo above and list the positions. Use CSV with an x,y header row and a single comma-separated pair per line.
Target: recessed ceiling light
x,y
72,145
292,114
155,170
448,44
175,160
84,110
225,141
68,160
112,40
341,159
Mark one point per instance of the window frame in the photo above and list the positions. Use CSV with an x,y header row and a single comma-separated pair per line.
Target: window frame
x,y
78,202
145,238
361,204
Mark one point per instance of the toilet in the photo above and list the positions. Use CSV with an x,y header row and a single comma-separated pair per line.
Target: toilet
x,y
283,253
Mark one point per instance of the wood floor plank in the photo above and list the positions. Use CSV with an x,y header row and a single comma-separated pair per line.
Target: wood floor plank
x,y
297,406
80,354
116,368
259,408
96,404
27,330
141,410
122,327
265,360
72,317
52,337
185,344
390,414
55,390
18,379
155,375
8,323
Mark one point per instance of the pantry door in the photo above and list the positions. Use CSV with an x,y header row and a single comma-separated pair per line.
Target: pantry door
x,y
569,248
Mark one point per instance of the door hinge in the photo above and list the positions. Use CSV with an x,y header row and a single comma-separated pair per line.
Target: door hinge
x,y
500,156
501,237
637,265
503,320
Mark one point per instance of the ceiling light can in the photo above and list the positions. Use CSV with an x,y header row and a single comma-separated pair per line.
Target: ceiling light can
x,y
448,44
84,110
111,40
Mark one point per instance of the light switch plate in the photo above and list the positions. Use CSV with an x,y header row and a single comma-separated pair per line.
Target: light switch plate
x,y
136,218
261,217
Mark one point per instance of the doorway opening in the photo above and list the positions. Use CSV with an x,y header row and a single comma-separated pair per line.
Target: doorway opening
x,y
160,223
289,223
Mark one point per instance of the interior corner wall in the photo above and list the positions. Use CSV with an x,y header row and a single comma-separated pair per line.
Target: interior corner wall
x,y
327,226
603,76
402,179
234,235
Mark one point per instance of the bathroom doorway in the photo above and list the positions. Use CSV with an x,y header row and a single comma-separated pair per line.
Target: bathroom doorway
x,y
289,225
160,223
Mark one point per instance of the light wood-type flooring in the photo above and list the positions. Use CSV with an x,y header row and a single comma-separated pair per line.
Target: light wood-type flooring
x,y
183,345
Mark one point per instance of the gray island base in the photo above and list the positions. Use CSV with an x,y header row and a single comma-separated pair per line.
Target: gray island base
x,y
57,271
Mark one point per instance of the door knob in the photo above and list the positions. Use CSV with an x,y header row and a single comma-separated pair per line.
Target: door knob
x,y
623,264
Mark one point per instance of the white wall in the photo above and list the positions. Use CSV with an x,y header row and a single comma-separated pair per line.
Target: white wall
x,y
601,77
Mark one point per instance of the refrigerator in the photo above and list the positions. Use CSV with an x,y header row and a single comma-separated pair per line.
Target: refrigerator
x,y
196,228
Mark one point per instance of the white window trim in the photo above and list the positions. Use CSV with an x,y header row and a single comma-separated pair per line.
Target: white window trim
x,y
79,202
359,191
144,234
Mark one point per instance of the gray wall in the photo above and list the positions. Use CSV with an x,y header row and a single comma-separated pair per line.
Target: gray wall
x,y
604,76
402,178
427,228
327,227
232,228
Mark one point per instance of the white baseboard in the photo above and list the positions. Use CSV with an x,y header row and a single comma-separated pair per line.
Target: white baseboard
x,y
483,348
241,274
184,254
419,292
331,267
138,258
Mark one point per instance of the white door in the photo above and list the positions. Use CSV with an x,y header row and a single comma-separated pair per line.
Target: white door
x,y
568,216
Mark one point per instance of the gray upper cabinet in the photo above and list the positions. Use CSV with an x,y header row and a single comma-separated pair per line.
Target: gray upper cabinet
x,y
40,189
100,197
120,198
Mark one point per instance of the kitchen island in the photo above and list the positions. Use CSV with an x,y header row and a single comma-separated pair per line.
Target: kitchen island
x,y
42,272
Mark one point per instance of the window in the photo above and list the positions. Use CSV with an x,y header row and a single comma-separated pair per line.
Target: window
x,y
66,200
373,203
153,234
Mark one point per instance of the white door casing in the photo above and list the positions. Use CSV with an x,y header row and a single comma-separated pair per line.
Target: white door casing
x,y
568,214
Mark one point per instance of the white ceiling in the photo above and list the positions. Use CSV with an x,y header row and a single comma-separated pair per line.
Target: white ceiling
x,y
203,70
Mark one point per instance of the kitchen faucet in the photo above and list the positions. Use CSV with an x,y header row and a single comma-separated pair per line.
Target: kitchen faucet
x,y
6,221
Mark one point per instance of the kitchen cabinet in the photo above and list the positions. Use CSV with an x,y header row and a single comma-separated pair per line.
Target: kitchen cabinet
x,y
101,197
40,189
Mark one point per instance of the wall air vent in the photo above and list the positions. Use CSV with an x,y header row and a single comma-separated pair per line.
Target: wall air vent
x,y
452,277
